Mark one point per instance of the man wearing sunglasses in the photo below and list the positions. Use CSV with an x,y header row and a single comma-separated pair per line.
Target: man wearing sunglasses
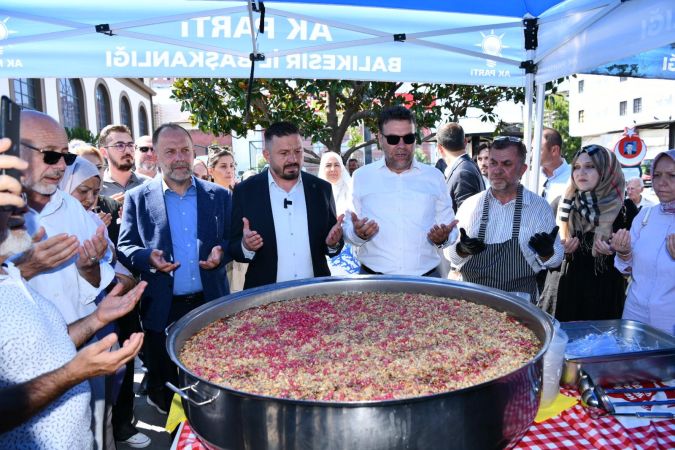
x,y
402,209
117,146
69,262
145,157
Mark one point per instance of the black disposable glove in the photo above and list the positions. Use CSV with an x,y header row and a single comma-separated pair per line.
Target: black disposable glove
x,y
467,245
542,243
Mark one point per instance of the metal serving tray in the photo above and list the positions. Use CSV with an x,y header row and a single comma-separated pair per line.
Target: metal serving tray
x,y
656,364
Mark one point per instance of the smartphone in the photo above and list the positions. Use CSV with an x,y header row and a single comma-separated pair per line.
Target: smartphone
x,y
10,125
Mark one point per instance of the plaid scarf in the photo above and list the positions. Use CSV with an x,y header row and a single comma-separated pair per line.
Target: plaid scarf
x,y
581,212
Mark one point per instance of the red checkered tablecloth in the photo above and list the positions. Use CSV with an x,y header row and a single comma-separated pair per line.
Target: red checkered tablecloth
x,y
573,428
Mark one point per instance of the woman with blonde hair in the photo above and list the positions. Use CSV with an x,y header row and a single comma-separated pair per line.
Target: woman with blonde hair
x,y
590,211
332,169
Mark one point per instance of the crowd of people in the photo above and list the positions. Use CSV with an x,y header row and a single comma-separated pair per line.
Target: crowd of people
x,y
103,245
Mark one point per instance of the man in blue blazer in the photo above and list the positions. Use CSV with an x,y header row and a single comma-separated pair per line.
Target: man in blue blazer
x,y
283,219
174,234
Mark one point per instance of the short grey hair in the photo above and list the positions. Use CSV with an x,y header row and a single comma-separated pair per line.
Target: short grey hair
x,y
639,180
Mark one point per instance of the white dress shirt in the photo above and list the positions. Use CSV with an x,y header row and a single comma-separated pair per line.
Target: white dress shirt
x,y
64,286
405,206
537,217
651,295
294,257
554,186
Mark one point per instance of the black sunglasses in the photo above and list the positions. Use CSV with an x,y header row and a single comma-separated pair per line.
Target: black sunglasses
x,y
52,157
145,149
394,139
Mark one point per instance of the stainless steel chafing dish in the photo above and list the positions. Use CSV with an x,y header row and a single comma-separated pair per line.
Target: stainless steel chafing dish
x,y
488,415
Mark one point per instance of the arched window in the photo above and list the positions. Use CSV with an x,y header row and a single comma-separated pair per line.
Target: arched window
x,y
28,93
125,113
103,116
72,109
142,121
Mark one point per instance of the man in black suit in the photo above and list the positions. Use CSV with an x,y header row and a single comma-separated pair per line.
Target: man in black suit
x,y
462,174
283,220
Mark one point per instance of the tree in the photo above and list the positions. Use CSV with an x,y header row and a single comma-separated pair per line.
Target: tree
x,y
327,110
82,134
558,108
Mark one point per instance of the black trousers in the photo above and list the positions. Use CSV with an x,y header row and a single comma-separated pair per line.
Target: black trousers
x,y
160,367
123,409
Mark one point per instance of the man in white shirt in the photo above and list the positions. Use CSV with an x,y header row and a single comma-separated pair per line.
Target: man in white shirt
x,y
70,262
283,219
555,171
44,403
402,208
508,233
634,188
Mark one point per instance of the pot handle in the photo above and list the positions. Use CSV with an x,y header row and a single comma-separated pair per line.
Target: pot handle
x,y
182,392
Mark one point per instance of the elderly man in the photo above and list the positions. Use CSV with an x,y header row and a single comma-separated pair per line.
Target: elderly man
x,y
508,233
44,401
463,176
634,188
283,219
174,233
402,209
555,171
117,146
145,158
70,262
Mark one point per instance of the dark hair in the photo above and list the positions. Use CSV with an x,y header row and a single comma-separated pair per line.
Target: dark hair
x,y
105,132
353,159
484,146
280,129
552,137
451,136
503,142
397,112
168,126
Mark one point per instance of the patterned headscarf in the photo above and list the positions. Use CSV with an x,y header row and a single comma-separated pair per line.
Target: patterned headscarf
x,y
583,211
668,208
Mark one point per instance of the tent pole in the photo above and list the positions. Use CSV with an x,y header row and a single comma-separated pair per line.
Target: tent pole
x,y
538,127
527,121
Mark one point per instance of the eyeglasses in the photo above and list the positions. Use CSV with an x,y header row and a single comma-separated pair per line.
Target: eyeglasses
x,y
52,157
394,139
145,149
121,146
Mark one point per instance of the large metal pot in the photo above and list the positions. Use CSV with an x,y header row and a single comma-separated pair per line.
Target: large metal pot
x,y
485,416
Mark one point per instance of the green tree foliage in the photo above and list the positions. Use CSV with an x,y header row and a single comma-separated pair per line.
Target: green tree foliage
x,y
558,108
327,110
82,134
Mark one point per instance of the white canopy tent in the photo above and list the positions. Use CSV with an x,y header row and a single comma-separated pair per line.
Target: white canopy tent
x,y
516,43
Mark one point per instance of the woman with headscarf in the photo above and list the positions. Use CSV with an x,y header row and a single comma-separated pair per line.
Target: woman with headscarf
x,y
647,252
332,169
590,211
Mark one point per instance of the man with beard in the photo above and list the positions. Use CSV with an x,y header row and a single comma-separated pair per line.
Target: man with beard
x,y
117,146
283,219
507,233
44,401
405,208
70,261
145,157
174,235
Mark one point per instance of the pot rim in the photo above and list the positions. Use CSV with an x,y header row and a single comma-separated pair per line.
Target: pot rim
x,y
175,328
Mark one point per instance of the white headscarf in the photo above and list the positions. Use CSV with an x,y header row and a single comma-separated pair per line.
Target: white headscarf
x,y
77,173
342,189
